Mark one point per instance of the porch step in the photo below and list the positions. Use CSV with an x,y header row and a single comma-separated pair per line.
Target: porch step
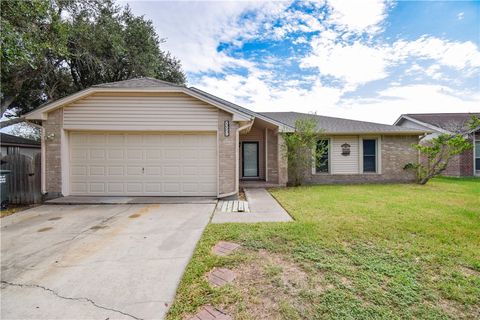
x,y
232,206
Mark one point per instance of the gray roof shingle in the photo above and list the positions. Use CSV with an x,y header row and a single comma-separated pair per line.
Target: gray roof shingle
x,y
8,139
332,125
142,82
447,121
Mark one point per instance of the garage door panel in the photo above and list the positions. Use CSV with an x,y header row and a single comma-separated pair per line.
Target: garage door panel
x,y
143,164
134,154
115,187
97,187
97,139
116,170
96,171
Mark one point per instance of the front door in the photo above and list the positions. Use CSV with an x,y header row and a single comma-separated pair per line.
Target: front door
x,y
250,159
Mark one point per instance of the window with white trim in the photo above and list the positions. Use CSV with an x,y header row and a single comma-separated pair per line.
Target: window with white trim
x,y
322,164
477,156
369,155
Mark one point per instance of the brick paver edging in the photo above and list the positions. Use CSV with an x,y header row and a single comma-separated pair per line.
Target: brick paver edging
x,y
220,276
224,248
210,313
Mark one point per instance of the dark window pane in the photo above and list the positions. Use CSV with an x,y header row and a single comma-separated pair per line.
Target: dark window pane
x,y
477,164
369,164
369,156
322,163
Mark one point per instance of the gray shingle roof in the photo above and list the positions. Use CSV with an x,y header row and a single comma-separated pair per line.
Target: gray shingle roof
x,y
8,139
142,82
447,121
332,125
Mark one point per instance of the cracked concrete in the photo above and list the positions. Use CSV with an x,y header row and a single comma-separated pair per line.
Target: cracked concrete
x,y
68,298
129,268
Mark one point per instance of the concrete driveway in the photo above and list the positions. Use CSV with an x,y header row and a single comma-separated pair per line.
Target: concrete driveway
x,y
97,261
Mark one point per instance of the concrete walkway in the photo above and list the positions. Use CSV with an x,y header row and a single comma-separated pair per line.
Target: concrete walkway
x,y
263,208
96,261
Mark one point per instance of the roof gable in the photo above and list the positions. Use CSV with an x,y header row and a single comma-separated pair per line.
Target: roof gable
x,y
144,85
441,122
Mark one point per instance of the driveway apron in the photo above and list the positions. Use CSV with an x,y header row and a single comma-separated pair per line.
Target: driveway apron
x,y
97,261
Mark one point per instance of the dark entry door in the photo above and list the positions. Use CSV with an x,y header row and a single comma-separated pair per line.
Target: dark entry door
x,y
250,159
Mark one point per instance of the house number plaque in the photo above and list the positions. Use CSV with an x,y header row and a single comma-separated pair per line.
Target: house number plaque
x,y
345,149
226,128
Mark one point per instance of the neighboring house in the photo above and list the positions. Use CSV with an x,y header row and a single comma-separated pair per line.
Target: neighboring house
x,y
462,165
18,145
146,137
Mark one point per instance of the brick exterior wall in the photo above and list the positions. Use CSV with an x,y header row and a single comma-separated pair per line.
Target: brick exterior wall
x,y
282,161
396,152
272,150
227,153
53,166
461,165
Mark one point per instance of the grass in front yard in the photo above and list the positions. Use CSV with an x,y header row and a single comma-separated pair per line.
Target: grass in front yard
x,y
354,252
11,209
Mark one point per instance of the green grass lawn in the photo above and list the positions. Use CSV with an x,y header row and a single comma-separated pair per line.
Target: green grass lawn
x,y
353,252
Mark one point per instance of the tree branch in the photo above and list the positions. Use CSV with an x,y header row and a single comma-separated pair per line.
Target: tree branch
x,y
6,103
10,122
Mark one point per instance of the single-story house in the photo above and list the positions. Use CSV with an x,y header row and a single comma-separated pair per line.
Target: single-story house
x,y
463,165
17,145
146,137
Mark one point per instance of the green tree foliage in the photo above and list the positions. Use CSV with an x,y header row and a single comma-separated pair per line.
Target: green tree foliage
x,y
301,149
52,48
437,153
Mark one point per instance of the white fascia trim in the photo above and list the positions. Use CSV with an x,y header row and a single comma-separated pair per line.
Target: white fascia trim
x,y
41,113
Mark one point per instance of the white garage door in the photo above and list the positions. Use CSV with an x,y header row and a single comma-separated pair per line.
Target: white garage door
x,y
143,164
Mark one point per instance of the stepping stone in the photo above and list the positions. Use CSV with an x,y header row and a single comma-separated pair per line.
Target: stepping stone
x,y
220,276
211,313
224,248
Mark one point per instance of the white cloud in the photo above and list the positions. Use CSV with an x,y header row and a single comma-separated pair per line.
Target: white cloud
x,y
355,63
358,63
458,55
344,49
424,98
460,15
194,30
384,107
358,16
256,91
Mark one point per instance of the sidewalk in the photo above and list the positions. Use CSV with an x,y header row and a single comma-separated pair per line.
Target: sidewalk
x,y
263,208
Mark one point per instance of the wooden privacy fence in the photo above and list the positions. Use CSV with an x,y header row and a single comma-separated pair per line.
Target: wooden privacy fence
x,y
24,180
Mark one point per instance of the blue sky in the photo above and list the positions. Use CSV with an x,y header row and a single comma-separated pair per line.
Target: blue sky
x,y
361,59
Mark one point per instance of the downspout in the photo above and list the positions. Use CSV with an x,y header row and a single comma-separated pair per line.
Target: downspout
x,y
237,169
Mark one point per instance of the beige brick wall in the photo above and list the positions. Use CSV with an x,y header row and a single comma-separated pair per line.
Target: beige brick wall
x,y
227,153
282,161
272,155
396,152
53,168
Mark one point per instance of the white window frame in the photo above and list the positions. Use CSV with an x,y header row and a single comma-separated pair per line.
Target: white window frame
x,y
314,161
378,158
476,171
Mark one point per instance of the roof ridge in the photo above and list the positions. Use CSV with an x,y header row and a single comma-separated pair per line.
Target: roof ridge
x,y
317,115
438,113
138,78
